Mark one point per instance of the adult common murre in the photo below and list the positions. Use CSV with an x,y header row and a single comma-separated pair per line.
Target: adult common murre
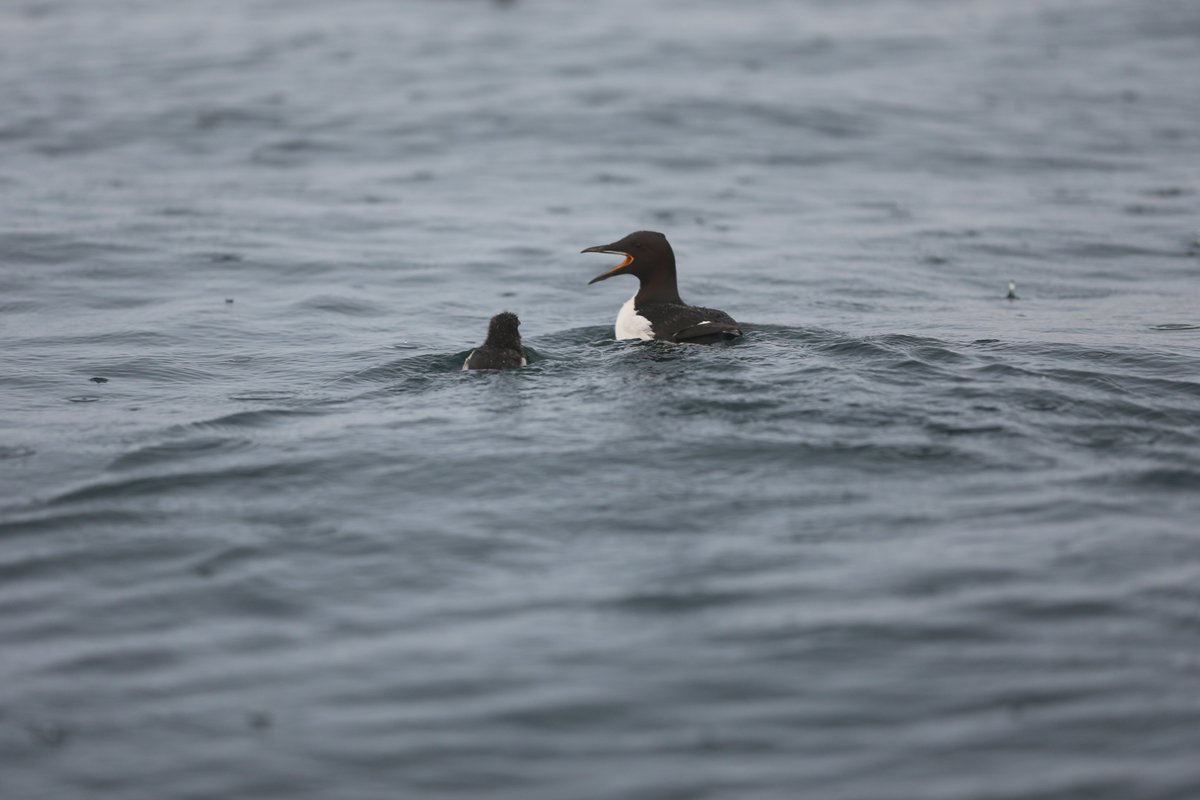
x,y
502,348
656,311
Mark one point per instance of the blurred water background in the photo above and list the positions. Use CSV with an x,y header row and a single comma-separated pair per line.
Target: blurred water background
x,y
908,539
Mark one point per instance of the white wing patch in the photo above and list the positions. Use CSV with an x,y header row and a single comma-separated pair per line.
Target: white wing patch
x,y
632,325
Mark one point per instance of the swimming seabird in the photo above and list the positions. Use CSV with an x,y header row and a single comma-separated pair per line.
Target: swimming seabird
x,y
657,311
502,349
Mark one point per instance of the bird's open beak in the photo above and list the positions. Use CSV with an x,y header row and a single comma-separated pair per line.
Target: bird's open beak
x,y
619,269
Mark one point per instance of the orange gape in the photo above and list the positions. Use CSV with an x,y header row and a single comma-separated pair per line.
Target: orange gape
x,y
628,260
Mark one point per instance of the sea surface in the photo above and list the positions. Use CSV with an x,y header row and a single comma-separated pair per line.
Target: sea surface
x,y
261,537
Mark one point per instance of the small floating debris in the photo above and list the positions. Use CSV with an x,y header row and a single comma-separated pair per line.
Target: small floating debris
x,y
98,380
229,301
1012,290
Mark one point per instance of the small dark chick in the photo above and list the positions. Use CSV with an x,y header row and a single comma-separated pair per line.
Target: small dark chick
x,y
502,349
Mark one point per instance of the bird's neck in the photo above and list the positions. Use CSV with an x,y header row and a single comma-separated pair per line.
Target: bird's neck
x,y
659,286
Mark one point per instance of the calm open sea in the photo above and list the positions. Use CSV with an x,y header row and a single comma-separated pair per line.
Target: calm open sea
x,y
908,540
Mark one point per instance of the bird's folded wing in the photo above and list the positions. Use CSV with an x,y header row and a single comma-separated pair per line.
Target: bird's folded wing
x,y
710,331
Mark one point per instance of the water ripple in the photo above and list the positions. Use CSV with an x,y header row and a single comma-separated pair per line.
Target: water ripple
x,y
906,539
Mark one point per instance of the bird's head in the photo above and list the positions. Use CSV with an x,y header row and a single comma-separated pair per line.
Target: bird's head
x,y
647,254
502,331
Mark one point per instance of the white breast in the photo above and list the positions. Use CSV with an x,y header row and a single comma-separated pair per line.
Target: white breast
x,y
631,325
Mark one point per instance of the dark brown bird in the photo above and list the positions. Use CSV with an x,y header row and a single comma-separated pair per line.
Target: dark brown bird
x,y
502,348
657,311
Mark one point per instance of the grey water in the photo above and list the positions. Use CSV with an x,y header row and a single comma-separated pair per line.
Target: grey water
x,y
261,537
